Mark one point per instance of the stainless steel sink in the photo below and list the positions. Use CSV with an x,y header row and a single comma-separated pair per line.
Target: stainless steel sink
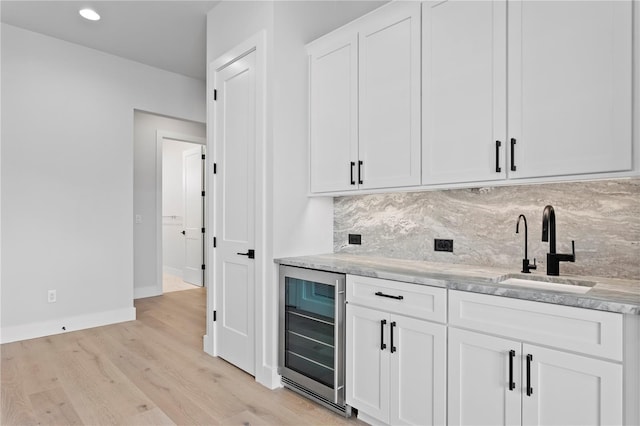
x,y
547,283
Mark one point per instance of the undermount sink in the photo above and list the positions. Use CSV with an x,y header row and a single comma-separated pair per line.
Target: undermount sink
x,y
544,283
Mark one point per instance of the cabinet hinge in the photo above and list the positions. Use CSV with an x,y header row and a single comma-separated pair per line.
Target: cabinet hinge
x,y
203,156
203,193
203,267
203,230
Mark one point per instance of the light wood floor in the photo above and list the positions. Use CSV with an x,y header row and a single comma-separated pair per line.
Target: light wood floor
x,y
174,283
148,371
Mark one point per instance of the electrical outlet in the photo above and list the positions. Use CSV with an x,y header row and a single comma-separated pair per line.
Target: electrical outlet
x,y
355,239
138,218
52,296
443,245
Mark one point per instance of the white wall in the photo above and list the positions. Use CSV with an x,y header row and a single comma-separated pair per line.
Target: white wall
x,y
67,179
145,243
296,224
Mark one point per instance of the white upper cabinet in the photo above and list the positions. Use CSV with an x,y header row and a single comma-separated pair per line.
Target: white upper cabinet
x,y
464,91
460,92
333,121
365,102
570,87
389,84
564,82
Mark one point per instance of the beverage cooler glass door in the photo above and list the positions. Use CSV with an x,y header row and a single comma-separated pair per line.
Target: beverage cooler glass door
x,y
312,331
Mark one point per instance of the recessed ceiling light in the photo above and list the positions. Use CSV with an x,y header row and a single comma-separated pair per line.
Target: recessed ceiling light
x,y
89,14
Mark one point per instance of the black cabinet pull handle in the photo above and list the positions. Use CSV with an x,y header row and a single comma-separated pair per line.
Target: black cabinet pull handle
x,y
251,254
529,388
360,172
353,164
382,344
393,348
381,294
512,355
183,232
513,158
498,145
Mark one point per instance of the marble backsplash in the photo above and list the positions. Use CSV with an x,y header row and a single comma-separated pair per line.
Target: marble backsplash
x,y
603,217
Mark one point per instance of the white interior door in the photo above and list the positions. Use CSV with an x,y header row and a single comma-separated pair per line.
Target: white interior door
x,y
235,140
193,183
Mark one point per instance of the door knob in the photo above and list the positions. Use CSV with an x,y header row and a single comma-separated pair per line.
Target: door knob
x,y
184,232
251,254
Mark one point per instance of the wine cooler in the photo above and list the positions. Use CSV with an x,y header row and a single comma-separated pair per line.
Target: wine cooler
x,y
312,333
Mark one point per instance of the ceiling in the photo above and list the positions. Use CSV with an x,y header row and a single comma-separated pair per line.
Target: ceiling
x,y
169,35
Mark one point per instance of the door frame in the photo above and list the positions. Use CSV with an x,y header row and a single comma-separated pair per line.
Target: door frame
x,y
161,136
262,297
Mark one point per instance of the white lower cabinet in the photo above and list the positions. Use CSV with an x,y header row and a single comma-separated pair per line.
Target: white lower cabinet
x,y
396,366
479,391
423,355
495,381
515,380
569,389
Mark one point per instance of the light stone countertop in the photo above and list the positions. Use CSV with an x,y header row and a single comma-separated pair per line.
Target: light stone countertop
x,y
608,294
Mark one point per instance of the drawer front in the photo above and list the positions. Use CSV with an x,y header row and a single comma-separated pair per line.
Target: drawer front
x,y
415,300
587,331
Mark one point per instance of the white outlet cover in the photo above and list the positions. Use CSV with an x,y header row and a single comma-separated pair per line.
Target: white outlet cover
x,y
51,296
138,218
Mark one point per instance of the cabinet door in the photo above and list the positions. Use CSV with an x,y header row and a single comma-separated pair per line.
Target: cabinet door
x,y
389,139
333,104
417,372
479,391
569,389
367,366
570,86
464,91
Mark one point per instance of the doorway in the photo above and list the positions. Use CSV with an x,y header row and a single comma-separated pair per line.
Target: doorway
x,y
147,193
181,176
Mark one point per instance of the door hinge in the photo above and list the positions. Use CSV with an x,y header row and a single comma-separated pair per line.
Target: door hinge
x,y
203,230
215,168
214,242
214,316
203,157
215,95
203,267
203,193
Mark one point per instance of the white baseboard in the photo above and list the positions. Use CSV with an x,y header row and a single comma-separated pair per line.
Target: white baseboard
x,y
207,344
269,377
148,291
80,322
173,271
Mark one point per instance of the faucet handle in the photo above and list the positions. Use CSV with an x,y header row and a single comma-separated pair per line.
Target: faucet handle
x,y
573,251
567,257
527,267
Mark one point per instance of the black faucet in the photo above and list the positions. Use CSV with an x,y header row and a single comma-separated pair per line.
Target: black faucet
x,y
526,267
549,234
